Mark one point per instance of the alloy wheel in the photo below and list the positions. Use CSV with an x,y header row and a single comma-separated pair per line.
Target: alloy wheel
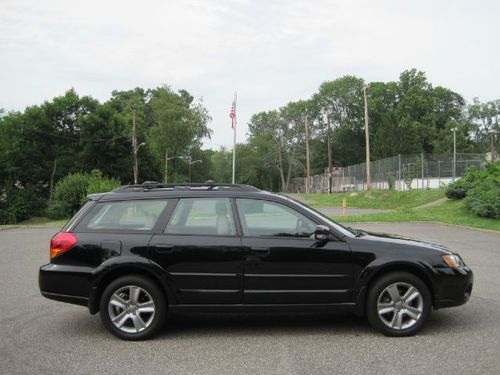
x,y
131,309
400,306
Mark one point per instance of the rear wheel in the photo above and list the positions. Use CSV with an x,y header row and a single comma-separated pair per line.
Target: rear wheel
x,y
398,304
133,308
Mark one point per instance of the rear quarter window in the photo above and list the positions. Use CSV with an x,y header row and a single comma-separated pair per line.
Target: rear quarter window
x,y
134,215
76,217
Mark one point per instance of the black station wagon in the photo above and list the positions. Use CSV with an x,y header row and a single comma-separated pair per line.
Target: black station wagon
x,y
142,250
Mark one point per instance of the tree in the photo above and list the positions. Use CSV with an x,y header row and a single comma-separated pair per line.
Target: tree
x,y
178,124
410,116
105,143
221,162
280,136
484,117
127,103
342,99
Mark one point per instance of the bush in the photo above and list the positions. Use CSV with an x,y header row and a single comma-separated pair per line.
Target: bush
x,y
17,202
481,190
458,189
99,184
391,181
483,198
71,191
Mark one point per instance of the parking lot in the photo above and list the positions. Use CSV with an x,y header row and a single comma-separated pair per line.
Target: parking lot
x,y
38,336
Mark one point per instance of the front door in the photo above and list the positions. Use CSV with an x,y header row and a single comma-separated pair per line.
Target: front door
x,y
201,252
286,264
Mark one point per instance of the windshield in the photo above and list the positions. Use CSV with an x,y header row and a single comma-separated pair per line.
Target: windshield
x,y
339,227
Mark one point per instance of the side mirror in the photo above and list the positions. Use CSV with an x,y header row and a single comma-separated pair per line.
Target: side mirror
x,y
322,233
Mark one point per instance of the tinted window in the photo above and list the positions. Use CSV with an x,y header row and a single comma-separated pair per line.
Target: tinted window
x,y
202,216
263,218
77,216
131,215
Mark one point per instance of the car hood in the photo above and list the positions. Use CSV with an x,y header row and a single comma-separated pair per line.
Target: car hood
x,y
401,240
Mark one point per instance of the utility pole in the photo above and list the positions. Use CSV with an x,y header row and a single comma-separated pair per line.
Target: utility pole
x,y
166,164
233,125
330,165
493,148
307,156
454,130
367,143
134,147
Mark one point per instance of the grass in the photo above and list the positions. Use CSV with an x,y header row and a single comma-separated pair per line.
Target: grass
x,y
379,199
36,222
450,212
403,208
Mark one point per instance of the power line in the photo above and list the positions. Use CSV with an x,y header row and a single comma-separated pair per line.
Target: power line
x,y
83,139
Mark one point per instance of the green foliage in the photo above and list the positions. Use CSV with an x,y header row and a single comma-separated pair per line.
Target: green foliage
x,y
70,192
72,133
68,195
18,203
13,206
407,177
451,212
99,184
278,138
391,182
378,199
459,188
177,124
483,197
483,118
481,190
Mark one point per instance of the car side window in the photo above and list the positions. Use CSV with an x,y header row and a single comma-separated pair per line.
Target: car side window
x,y
202,216
264,218
140,215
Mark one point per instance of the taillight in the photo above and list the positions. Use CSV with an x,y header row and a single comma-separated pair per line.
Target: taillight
x,y
61,242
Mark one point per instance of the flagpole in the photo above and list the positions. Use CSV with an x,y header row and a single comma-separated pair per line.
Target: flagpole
x,y
234,135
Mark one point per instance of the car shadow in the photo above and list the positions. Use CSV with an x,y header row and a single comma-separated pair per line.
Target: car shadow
x,y
186,325
256,324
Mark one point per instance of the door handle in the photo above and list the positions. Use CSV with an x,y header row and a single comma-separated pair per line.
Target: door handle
x,y
261,250
164,249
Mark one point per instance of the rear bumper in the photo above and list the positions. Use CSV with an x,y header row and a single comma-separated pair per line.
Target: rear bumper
x,y
63,283
454,287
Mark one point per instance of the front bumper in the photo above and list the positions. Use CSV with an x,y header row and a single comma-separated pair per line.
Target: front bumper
x,y
64,283
454,286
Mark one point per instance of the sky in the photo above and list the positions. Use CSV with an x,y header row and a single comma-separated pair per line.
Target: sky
x,y
270,52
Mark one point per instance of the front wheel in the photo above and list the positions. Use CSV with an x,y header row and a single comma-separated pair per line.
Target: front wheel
x,y
398,304
133,308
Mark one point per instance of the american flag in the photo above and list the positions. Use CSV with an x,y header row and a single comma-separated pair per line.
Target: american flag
x,y
232,114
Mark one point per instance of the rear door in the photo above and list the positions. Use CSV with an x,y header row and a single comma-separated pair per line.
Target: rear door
x,y
201,252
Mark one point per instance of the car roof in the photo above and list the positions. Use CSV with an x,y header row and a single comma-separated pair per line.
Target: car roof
x,y
151,189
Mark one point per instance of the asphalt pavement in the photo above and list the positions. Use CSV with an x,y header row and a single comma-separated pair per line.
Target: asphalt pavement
x,y
39,336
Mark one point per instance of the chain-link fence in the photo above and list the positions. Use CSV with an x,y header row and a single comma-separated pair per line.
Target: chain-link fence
x,y
402,172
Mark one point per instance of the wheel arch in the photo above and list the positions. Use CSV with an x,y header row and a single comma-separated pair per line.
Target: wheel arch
x,y
105,277
371,274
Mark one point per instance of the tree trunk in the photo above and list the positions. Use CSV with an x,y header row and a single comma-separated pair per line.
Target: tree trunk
x,y
54,166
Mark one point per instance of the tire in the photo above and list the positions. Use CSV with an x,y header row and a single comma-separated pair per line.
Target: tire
x,y
133,308
398,304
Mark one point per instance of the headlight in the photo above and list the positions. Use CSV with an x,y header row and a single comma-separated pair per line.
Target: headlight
x,y
453,261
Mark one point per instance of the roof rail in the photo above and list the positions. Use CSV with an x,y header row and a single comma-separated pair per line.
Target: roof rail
x,y
206,186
